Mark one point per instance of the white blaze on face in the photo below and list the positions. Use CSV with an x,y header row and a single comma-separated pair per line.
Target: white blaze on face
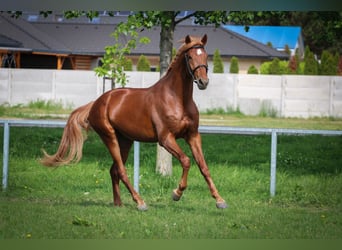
x,y
199,52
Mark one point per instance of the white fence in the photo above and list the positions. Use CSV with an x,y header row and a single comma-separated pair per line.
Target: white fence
x,y
286,95
202,129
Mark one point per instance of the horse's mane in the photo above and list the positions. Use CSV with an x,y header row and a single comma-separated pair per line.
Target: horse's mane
x,y
184,47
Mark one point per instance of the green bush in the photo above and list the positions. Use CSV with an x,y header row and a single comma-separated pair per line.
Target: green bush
x,y
275,67
128,65
311,65
143,64
217,61
234,65
328,64
252,70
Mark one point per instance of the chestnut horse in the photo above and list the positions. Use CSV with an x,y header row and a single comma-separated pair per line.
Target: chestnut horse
x,y
161,113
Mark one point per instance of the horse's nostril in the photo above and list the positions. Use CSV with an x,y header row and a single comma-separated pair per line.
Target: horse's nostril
x,y
202,84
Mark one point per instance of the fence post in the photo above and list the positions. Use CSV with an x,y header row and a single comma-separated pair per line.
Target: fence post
x,y
5,155
136,165
273,162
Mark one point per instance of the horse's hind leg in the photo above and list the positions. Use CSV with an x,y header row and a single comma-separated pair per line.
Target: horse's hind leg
x,y
118,170
125,146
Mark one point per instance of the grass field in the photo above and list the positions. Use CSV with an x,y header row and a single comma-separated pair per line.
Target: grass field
x,y
75,202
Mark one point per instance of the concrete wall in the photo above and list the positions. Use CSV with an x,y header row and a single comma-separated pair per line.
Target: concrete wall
x,y
287,95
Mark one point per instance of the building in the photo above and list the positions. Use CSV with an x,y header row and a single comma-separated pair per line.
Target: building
x,y
78,44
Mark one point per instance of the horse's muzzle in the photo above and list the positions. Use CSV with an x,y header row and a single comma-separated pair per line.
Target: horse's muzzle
x,y
202,84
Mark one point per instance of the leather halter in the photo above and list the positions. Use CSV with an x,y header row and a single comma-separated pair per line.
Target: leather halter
x,y
187,58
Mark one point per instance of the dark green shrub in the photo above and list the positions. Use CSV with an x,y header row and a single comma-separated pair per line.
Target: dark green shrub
x,y
234,65
217,61
252,70
311,65
328,64
275,67
143,64
128,65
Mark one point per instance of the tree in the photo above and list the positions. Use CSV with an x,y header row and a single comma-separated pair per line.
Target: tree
x,y
234,65
320,29
217,61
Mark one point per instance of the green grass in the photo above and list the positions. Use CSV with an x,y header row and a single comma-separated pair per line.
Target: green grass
x,y
36,109
75,202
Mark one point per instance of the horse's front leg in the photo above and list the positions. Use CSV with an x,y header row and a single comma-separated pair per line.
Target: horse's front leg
x,y
170,144
196,148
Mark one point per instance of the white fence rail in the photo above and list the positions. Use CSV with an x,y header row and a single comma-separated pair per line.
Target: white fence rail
x,y
287,95
274,132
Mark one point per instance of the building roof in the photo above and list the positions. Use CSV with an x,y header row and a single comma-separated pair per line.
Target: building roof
x,y
26,34
8,42
278,36
92,38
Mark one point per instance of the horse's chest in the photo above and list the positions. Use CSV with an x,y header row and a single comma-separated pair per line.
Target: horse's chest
x,y
179,124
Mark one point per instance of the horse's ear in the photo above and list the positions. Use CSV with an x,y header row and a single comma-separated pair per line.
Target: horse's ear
x,y
187,39
204,39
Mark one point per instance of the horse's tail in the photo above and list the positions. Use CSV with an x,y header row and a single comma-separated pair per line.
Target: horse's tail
x,y
71,145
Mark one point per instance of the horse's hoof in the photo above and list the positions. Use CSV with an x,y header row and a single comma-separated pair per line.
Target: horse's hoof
x,y
221,204
142,207
175,196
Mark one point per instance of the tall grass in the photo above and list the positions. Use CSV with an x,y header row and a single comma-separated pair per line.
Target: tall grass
x,y
75,202
37,109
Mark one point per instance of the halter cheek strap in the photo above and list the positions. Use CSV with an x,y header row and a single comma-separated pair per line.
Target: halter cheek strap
x,y
192,71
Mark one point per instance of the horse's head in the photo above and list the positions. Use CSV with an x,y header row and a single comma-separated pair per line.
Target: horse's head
x,y
196,60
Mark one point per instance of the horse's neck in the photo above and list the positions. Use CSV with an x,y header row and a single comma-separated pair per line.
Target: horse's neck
x,y
180,82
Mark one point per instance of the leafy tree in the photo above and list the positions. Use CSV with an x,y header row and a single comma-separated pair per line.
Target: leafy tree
x,y
143,64
234,65
217,61
252,70
320,29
